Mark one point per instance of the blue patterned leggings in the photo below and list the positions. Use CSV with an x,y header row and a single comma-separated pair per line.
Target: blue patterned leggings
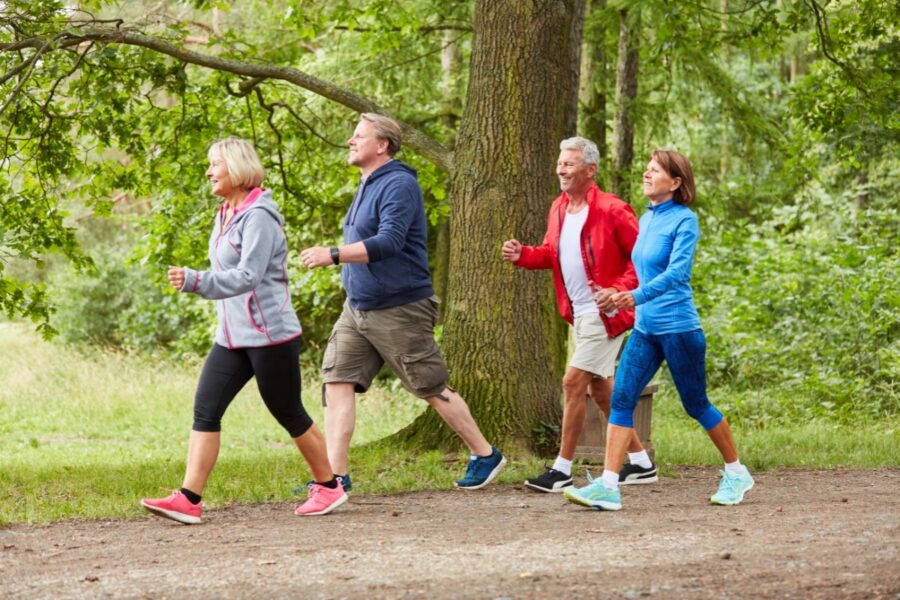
x,y
685,353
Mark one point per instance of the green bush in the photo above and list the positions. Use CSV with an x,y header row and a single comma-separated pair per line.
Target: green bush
x,y
806,307
125,305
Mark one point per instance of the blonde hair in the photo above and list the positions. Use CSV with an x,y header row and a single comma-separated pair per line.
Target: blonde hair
x,y
385,129
241,161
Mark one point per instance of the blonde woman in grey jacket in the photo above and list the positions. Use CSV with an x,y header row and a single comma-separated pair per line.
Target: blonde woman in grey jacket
x,y
258,333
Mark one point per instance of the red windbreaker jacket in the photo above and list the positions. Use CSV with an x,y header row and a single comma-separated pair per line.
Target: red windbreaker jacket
x,y
607,238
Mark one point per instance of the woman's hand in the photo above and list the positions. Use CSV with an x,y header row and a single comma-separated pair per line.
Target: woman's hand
x,y
622,300
176,277
511,251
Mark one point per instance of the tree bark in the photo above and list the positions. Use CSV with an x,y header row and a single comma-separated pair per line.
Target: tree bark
x,y
503,338
626,92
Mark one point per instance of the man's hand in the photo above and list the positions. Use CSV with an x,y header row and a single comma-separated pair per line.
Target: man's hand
x,y
317,256
622,300
511,251
176,277
603,298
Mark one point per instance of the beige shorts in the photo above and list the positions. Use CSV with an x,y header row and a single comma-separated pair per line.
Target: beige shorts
x,y
595,352
401,336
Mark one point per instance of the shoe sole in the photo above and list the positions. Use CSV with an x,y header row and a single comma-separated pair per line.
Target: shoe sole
x,y
489,479
326,510
739,500
598,504
172,514
639,479
558,490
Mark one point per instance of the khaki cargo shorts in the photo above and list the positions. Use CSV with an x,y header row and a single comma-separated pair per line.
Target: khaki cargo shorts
x,y
401,336
595,352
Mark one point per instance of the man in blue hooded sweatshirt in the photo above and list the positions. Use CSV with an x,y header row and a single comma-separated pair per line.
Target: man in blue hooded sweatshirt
x,y
391,309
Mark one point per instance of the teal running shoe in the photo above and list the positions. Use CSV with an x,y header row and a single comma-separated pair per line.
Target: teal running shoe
x,y
732,488
595,495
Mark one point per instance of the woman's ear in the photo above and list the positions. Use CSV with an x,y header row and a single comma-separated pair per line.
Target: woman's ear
x,y
676,183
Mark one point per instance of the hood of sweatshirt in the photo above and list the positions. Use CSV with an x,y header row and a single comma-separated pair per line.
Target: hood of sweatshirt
x,y
257,199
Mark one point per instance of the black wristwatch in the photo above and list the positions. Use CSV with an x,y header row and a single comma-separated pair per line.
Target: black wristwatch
x,y
335,255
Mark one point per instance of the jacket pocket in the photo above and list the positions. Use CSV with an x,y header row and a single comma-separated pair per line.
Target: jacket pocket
x,y
254,314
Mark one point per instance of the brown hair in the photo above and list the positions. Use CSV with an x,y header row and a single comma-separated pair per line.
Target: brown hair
x,y
677,166
385,129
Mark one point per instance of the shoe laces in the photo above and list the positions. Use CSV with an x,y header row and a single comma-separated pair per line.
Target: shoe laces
x,y
314,489
473,466
729,482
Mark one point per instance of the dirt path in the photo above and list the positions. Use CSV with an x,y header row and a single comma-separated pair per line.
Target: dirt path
x,y
800,534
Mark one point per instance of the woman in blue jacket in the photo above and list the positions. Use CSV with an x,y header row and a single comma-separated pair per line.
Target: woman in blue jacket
x,y
667,327
258,333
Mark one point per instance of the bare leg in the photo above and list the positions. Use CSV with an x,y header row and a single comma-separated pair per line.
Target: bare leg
x,y
340,419
601,392
455,413
203,450
721,437
617,439
312,446
575,385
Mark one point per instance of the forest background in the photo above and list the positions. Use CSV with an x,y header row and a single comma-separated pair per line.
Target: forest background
x,y
788,110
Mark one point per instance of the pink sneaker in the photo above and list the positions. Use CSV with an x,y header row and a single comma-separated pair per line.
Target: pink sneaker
x,y
321,500
176,507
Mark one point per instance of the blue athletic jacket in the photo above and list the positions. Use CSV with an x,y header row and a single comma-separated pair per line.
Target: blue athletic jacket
x,y
388,217
663,257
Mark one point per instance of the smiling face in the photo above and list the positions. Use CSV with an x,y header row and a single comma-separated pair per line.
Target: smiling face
x,y
658,184
218,176
367,151
575,177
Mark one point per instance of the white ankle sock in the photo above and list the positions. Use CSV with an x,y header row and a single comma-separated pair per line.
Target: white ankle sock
x,y
610,479
562,465
641,459
735,467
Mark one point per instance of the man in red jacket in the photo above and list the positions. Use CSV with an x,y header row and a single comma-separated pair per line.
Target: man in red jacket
x,y
588,245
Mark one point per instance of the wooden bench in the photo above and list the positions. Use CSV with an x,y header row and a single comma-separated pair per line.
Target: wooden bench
x,y
592,442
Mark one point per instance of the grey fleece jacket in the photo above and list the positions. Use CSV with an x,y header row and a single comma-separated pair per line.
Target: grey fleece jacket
x,y
248,276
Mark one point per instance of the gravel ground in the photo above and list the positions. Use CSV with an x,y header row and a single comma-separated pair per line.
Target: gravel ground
x,y
798,534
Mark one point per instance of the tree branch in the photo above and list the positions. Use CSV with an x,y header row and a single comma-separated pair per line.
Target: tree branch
x,y
424,144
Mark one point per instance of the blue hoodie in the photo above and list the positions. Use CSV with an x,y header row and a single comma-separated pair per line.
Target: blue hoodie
x,y
248,276
388,217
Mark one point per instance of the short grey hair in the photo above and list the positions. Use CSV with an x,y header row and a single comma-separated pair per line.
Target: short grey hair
x,y
385,129
589,153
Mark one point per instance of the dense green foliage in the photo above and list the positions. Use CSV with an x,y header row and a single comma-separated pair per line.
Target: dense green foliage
x,y
788,111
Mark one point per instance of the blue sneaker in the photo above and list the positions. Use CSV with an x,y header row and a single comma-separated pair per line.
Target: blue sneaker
x,y
595,495
344,479
732,487
482,470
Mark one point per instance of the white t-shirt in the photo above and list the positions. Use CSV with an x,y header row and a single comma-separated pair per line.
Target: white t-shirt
x,y
574,275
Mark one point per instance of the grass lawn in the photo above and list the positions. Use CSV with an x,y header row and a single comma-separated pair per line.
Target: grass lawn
x,y
87,435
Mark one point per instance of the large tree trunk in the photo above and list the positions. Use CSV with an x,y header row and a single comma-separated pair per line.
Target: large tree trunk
x,y
503,338
626,92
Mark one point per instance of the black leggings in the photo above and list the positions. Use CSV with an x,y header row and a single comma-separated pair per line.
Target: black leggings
x,y
277,370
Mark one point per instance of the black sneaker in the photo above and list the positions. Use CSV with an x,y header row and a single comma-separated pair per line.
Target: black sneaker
x,y
631,474
552,481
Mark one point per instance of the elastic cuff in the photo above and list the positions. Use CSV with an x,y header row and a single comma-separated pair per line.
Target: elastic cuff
x,y
621,418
